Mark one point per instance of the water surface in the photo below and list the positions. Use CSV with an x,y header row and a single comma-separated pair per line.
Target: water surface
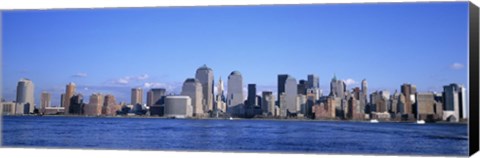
x,y
235,135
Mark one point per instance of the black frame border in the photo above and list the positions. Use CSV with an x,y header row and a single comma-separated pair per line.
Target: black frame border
x,y
473,79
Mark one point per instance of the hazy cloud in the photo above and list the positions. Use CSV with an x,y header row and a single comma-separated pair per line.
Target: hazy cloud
x,y
122,81
174,87
456,66
80,75
349,81
142,77
128,79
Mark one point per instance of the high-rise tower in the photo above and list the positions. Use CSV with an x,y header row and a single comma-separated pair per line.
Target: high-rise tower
x,y
204,74
25,98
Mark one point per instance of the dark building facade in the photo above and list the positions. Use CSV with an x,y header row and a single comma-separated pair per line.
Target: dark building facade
x,y
282,78
76,105
252,95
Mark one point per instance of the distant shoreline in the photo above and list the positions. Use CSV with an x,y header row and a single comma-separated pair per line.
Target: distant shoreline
x,y
236,119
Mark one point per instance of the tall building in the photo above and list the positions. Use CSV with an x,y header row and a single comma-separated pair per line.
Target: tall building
x,y
235,89
454,96
291,95
364,93
110,106
425,104
220,99
408,91
76,105
156,96
45,101
62,98
204,74
193,88
380,100
95,105
150,98
281,86
337,88
252,93
302,87
69,92
25,98
313,81
394,100
463,103
268,102
137,95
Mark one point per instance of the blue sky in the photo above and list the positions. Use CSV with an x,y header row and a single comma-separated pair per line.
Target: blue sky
x,y
113,50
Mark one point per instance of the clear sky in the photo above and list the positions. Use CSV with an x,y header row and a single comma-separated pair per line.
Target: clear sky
x,y
113,50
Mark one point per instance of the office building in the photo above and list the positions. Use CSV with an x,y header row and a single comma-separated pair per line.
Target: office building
x,y
137,95
156,96
220,100
337,88
454,99
291,95
313,81
302,87
268,103
281,79
76,105
408,91
235,95
25,98
95,105
7,108
252,95
67,97
193,88
204,75
425,106
110,106
45,101
178,106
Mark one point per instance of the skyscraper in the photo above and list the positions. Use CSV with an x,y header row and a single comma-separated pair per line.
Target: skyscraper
x,y
252,93
45,101
407,91
291,95
364,88
69,92
220,99
155,96
268,102
313,81
150,98
62,98
76,104
302,87
193,88
110,105
204,74
235,92
25,98
95,105
454,96
137,95
337,88
281,86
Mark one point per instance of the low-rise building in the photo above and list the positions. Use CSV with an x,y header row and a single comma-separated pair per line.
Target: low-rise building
x,y
178,106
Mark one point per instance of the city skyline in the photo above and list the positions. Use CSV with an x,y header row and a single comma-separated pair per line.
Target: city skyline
x,y
109,55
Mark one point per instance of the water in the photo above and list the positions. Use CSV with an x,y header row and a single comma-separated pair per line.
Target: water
x,y
235,135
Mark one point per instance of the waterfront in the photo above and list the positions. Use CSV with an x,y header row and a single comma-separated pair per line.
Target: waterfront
x,y
235,135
